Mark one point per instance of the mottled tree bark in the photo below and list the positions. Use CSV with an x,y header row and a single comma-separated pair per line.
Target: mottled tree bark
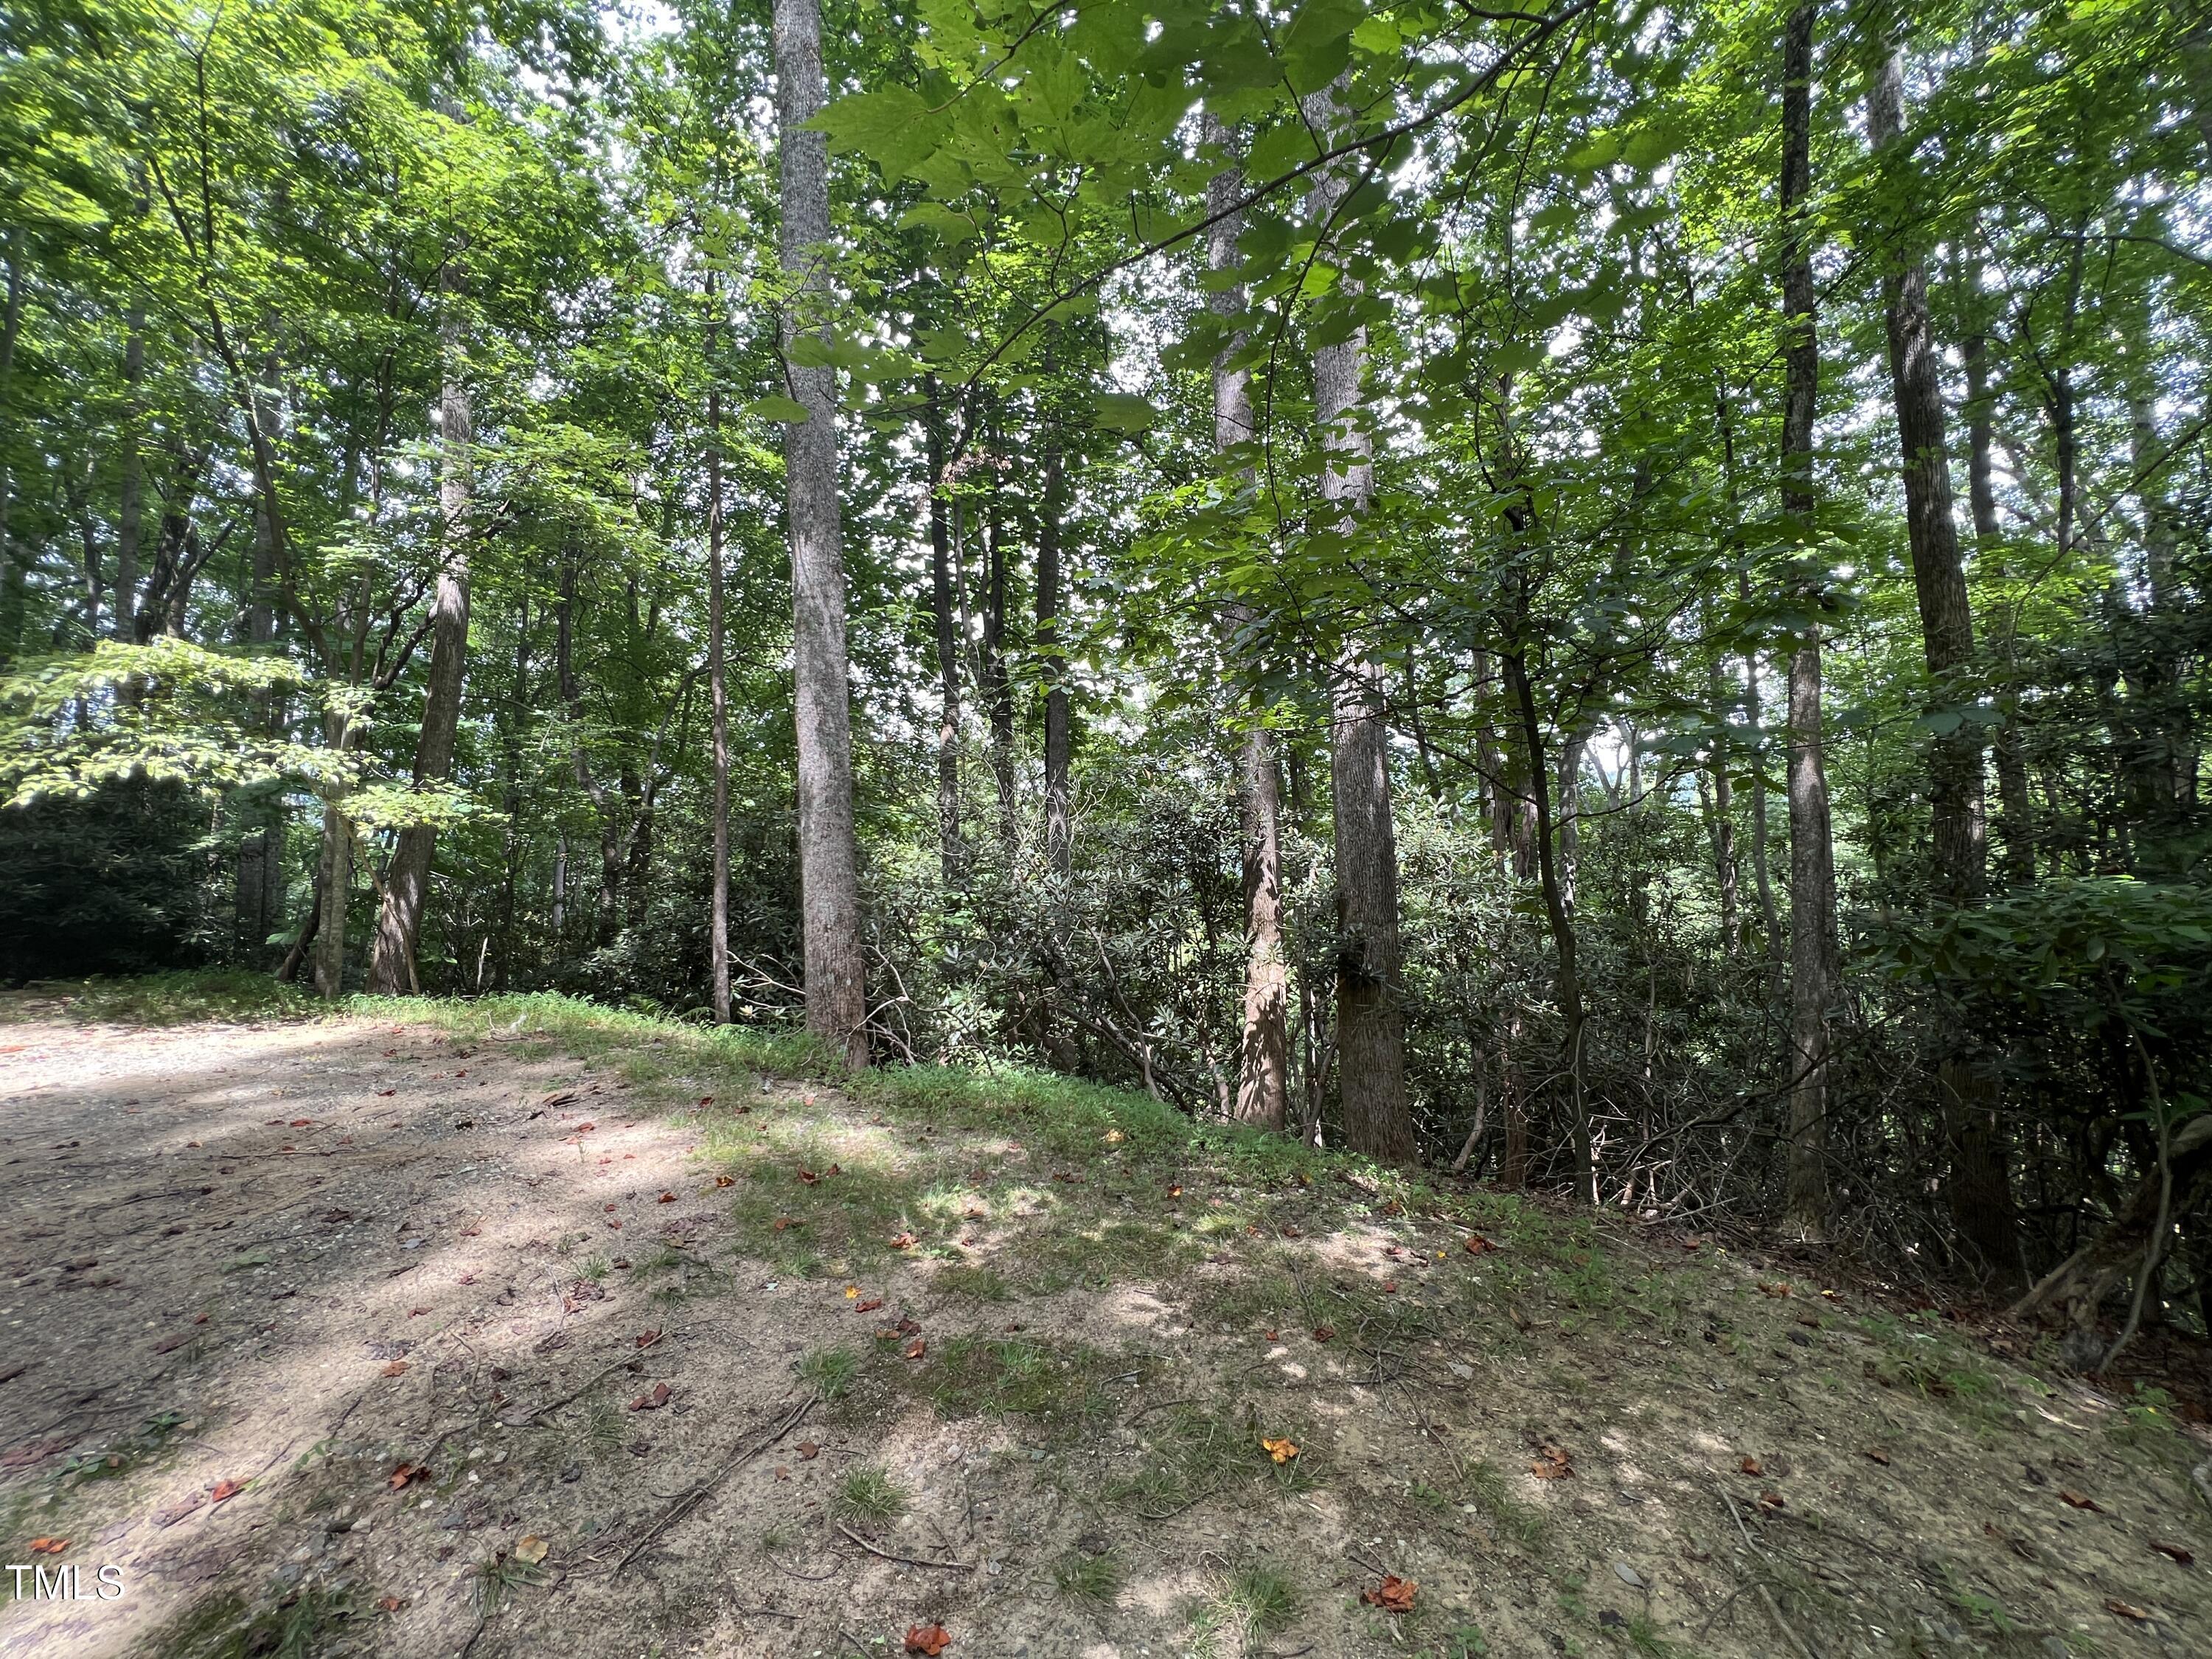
x,y
1815,968
130,507
1057,829
718,920
1370,1020
951,853
392,966
1263,1041
828,857
1980,1187
2016,806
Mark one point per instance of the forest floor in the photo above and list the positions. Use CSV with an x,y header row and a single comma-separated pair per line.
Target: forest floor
x,y
518,1328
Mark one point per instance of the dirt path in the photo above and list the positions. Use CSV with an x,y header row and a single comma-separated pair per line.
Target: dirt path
x,y
541,1334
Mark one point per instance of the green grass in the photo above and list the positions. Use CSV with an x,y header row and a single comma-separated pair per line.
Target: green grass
x,y
1489,1489
1063,1385
868,1494
1090,1581
831,1370
170,999
1245,1604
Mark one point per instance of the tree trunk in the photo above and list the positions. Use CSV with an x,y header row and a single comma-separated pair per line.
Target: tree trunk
x,y
1263,1041
1724,860
1815,968
1370,1020
2016,805
392,966
997,687
828,858
130,512
718,922
1980,1187
951,853
1057,830
13,594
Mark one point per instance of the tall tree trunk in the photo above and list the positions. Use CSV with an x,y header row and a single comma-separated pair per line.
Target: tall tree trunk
x,y
2172,763
1370,1019
130,511
997,679
1980,1188
952,854
718,922
1815,968
13,588
2016,805
333,874
1263,1042
1057,830
392,966
828,857
1724,860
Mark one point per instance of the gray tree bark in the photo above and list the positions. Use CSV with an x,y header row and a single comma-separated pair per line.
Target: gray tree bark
x,y
951,853
1370,1020
828,858
718,923
392,966
1815,968
1263,1041
1059,850
130,511
1980,1192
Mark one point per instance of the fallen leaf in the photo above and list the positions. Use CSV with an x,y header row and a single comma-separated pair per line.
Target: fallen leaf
x,y
903,1241
1175,1189
928,1640
531,1549
653,1402
405,1473
647,1339
395,1368
2080,1501
1390,1287
1551,1462
785,1223
1779,1288
1393,1595
975,1213
1322,1332
1476,1244
725,1181
1772,1500
808,1451
2176,1552
1878,1456
2112,1604
706,1100
391,1604
915,1349
49,1545
666,1198
1750,1466
809,1176
301,1122
389,1091
852,1293
869,1306
1281,1450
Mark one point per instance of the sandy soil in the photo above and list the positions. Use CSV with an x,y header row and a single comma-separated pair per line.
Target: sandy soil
x,y
347,1338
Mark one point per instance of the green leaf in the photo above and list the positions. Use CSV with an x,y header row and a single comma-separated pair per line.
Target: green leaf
x,y
778,409
1122,412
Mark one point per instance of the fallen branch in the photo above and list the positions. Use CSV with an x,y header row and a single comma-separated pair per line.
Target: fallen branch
x,y
1765,1594
691,1500
580,1390
904,1560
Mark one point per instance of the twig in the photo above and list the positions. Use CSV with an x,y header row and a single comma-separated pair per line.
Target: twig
x,y
907,1561
586,1387
691,1500
1765,1594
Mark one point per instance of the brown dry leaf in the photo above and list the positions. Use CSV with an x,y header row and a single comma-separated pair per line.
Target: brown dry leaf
x,y
915,1349
1322,1332
706,1100
1390,1287
405,1473
1779,1288
2174,1551
808,1451
928,1640
647,1339
725,1181
1879,1455
653,1401
2080,1501
1772,1500
1175,1189
785,1223
1476,1244
1551,1462
531,1549
903,1241
395,1368
49,1545
2113,1604
666,1198
832,1170
1281,1450
809,1177
1393,1595
392,1603
975,1213
869,1306
1750,1466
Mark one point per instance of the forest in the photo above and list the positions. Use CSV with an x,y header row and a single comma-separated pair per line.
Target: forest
x,y
1607,597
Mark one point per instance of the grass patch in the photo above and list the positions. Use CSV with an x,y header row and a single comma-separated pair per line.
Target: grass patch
x,y
992,1376
831,1370
868,1494
1090,1581
178,998
1246,1604
1191,1453
1490,1491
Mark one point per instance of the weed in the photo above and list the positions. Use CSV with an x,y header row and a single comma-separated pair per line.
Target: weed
x,y
988,1377
1246,1603
831,1370
866,1493
498,1576
1089,1581
1491,1493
